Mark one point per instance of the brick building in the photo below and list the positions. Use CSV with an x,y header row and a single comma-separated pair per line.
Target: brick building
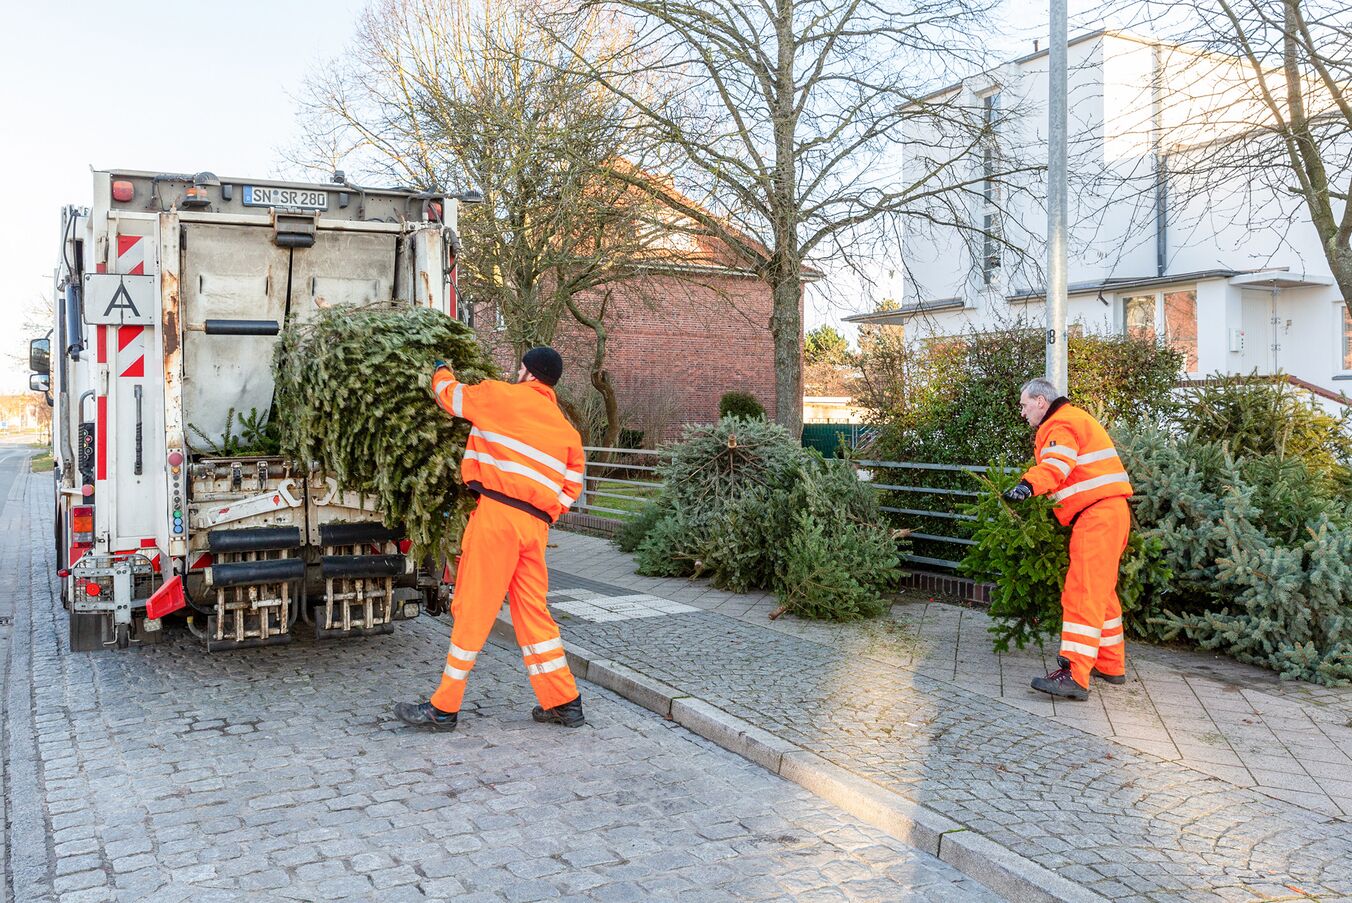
x,y
679,335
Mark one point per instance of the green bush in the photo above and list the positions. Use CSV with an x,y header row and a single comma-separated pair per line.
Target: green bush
x,y
632,532
956,401
749,508
354,392
1257,416
740,404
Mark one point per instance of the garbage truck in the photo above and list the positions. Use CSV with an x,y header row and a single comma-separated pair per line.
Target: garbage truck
x,y
171,291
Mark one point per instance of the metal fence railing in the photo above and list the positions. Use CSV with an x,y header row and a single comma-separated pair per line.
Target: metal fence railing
x,y
618,482
939,525
921,497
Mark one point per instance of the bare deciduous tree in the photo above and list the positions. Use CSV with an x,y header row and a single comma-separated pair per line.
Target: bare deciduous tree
x,y
789,120
441,92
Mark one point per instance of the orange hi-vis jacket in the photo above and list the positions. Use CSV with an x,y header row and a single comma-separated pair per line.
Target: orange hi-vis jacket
x,y
1077,463
520,446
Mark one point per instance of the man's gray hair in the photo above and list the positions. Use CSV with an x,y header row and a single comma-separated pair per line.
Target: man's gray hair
x,y
1040,388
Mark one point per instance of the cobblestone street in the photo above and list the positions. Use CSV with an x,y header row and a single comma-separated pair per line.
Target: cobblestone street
x,y
169,774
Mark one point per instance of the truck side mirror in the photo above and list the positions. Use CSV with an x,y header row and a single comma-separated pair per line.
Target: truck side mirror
x,y
40,356
39,382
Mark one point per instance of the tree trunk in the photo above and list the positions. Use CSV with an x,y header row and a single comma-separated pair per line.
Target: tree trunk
x,y
600,376
1340,261
786,327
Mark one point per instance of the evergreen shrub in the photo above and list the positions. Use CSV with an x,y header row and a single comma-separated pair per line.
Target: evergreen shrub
x,y
745,505
740,404
1257,416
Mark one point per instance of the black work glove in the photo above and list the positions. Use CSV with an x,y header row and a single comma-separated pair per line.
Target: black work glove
x,y
1020,491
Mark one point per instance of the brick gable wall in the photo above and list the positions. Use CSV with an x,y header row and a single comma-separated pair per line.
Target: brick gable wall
x,y
674,347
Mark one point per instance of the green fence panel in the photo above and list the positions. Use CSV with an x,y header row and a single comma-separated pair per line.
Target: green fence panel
x,y
826,437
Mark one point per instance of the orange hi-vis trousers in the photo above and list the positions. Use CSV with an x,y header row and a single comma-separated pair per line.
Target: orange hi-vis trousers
x,y
1091,614
503,554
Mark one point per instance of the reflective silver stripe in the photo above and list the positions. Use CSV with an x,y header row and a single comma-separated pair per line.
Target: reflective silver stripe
x,y
1102,455
522,448
458,400
566,500
1115,622
553,664
1064,451
1059,465
441,384
513,467
1095,483
1081,629
573,476
463,654
1082,648
545,646
1111,640
455,673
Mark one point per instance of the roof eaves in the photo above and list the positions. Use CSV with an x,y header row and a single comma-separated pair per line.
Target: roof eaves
x,y
1104,285
886,317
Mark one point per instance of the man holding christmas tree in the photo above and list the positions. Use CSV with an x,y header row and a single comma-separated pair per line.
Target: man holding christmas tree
x,y
1078,467
524,461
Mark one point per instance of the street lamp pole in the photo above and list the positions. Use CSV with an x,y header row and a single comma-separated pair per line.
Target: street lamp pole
x,y
1056,198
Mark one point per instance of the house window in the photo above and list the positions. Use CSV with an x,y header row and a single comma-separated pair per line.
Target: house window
x,y
1347,339
1179,314
1168,316
1139,315
990,192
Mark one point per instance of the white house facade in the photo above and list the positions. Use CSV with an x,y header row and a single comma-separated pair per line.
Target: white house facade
x,y
1233,275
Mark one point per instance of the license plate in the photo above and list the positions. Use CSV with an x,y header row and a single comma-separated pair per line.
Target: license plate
x,y
261,196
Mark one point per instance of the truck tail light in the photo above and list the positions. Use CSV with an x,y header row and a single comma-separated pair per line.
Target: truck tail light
x,y
123,190
82,523
92,589
196,196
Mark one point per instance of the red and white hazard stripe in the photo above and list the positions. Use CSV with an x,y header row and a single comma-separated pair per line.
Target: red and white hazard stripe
x,y
131,255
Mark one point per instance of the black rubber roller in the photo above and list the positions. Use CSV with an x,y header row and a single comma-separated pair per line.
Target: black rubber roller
x,y
242,573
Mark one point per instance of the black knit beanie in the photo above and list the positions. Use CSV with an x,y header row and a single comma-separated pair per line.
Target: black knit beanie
x,y
544,364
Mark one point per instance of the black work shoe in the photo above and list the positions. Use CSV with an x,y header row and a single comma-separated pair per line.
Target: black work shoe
x,y
1060,683
1115,679
424,714
569,714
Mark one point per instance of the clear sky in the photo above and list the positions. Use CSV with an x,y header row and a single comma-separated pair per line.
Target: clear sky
x,y
144,84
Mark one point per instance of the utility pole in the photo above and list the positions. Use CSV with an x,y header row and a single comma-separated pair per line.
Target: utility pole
x,y
1056,198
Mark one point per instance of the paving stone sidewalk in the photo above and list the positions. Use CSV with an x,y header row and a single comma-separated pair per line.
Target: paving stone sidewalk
x,y
167,774
933,717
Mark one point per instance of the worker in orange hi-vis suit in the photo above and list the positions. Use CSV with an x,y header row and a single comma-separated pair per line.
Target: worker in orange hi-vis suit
x,y
1078,467
524,461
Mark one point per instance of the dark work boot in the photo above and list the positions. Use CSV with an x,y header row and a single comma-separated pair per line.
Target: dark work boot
x,y
1115,679
1060,683
424,714
569,714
